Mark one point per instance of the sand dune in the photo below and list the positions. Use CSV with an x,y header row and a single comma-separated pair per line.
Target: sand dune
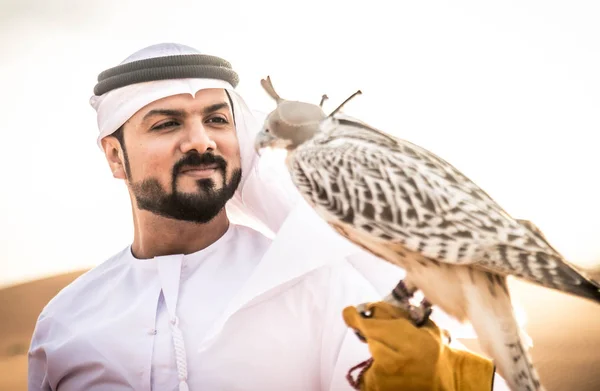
x,y
565,330
20,306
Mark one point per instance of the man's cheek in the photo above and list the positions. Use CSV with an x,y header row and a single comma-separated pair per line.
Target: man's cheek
x,y
155,167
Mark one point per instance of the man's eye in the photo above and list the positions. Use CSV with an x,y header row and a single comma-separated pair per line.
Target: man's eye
x,y
218,120
165,125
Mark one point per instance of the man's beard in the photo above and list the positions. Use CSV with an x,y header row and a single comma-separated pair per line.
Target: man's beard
x,y
200,207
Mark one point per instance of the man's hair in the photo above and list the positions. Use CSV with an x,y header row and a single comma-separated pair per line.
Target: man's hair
x,y
118,134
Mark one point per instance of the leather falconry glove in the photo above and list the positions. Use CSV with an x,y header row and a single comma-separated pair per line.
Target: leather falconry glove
x,y
406,357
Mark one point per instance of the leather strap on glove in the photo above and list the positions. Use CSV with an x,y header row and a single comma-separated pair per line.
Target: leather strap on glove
x,y
406,357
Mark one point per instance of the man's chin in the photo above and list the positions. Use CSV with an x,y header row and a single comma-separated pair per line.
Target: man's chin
x,y
201,194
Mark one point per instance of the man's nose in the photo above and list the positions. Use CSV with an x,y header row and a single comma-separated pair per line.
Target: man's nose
x,y
197,138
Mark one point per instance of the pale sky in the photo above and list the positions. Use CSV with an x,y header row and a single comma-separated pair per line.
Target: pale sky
x,y
508,92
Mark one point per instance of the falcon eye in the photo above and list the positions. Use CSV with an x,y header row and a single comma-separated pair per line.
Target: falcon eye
x,y
267,130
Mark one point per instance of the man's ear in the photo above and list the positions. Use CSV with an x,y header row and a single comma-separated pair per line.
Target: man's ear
x,y
114,156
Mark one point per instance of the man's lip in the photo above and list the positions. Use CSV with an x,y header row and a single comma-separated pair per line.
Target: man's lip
x,y
199,168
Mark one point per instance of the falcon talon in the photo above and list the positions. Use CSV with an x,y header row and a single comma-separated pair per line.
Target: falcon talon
x,y
426,308
425,318
419,314
422,322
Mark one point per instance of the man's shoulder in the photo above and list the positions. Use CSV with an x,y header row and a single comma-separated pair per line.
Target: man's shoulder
x,y
251,235
88,282
355,278
340,280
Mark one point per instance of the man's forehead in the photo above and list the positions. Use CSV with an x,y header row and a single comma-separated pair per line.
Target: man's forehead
x,y
204,97
186,102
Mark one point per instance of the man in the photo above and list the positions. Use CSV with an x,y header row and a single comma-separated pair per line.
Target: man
x,y
231,282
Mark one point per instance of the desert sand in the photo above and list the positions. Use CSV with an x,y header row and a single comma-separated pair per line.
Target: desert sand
x,y
565,331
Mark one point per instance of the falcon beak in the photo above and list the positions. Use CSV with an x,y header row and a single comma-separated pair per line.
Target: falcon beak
x,y
264,140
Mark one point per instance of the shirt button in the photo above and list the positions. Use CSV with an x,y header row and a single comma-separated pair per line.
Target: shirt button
x,y
152,332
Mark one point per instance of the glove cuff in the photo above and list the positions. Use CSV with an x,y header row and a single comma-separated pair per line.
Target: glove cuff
x,y
472,371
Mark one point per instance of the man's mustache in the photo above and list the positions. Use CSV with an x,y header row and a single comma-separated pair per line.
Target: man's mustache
x,y
199,160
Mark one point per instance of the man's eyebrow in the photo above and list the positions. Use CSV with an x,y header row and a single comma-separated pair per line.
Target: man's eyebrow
x,y
164,112
180,113
214,107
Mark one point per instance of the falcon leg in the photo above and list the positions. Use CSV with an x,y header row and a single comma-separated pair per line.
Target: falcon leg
x,y
421,314
400,297
404,291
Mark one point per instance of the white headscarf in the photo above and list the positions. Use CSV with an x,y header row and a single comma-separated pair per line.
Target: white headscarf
x,y
265,195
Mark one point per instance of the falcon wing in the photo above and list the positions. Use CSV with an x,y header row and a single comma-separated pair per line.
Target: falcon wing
x,y
395,192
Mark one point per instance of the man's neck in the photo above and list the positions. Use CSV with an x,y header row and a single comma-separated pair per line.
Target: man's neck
x,y
156,236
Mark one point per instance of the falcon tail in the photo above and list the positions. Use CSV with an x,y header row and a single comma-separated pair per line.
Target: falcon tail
x,y
566,277
587,288
555,273
490,312
547,270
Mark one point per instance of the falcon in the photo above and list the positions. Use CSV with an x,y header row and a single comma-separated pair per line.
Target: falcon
x,y
413,209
